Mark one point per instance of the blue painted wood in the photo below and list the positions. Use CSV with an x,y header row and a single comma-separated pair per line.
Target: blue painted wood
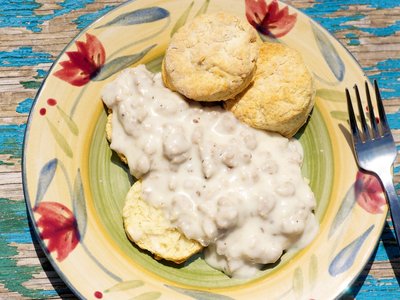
x,y
23,56
380,278
22,13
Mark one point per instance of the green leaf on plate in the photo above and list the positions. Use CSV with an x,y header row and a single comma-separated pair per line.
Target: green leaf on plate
x,y
68,120
60,139
148,296
329,52
45,177
125,285
203,8
313,271
340,115
182,19
298,282
344,210
140,16
331,95
199,295
346,257
79,204
120,63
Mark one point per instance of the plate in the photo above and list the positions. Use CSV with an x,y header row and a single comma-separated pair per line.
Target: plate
x,y
75,185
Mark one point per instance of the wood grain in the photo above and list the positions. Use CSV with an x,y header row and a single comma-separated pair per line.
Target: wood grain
x,y
33,33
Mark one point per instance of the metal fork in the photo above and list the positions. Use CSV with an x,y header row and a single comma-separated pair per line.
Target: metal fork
x,y
375,149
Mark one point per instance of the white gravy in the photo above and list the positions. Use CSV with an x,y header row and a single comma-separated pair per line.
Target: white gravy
x,y
237,190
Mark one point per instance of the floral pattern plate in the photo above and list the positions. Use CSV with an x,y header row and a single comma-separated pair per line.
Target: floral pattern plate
x,y
75,185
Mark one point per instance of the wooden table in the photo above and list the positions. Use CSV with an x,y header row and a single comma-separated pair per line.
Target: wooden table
x,y
33,33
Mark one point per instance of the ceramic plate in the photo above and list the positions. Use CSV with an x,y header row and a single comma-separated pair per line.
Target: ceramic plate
x,y
75,185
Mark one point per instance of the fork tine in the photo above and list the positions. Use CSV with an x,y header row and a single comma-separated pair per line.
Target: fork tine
x,y
352,119
382,115
372,119
361,113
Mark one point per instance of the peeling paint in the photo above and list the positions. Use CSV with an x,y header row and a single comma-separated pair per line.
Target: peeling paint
x,y
26,16
25,106
11,138
23,56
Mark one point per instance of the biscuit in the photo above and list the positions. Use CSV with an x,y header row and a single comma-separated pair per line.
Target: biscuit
x,y
109,134
147,227
282,95
212,58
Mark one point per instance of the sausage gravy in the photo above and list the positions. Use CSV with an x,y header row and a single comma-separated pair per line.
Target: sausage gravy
x,y
237,190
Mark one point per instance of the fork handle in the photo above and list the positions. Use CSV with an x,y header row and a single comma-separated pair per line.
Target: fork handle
x,y
394,203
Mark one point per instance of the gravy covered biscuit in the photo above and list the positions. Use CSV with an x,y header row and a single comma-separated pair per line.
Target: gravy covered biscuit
x,y
207,179
109,135
211,59
282,95
147,227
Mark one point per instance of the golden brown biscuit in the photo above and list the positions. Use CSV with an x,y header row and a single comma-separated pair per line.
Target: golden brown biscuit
x,y
282,95
212,58
147,227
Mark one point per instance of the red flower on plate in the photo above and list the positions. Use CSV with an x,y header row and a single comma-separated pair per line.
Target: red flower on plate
x,y
58,225
268,18
83,64
369,193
